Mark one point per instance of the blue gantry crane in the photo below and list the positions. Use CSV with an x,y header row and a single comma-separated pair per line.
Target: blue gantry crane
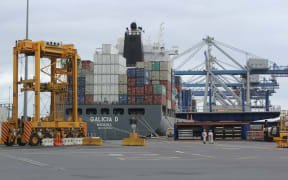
x,y
229,80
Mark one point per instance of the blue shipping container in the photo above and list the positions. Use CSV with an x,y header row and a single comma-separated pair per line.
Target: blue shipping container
x,y
123,99
131,72
139,99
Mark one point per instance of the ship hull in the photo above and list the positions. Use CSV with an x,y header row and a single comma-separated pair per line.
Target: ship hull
x,y
112,122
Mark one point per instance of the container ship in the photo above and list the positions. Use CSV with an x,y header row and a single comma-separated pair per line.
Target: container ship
x,y
124,81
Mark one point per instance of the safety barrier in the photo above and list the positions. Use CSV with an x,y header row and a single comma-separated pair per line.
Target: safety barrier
x,y
58,141
47,142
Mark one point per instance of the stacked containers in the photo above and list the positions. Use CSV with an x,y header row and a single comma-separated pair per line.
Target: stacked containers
x,y
88,72
123,89
178,93
108,66
138,78
160,75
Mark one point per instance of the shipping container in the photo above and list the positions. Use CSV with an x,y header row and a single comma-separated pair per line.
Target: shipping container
x,y
165,66
139,99
148,99
89,99
155,75
131,91
131,73
148,66
155,66
159,100
131,82
122,89
140,65
123,99
155,82
123,79
165,75
149,89
142,81
131,99
140,91
159,89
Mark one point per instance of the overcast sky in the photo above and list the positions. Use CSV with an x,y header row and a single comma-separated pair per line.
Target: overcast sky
x,y
258,26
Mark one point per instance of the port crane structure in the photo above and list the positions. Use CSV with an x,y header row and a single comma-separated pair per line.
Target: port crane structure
x,y
63,62
224,83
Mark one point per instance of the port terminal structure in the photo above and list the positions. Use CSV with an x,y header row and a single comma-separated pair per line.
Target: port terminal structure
x,y
63,60
226,86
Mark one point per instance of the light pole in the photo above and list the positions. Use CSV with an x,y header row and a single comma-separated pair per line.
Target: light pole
x,y
26,64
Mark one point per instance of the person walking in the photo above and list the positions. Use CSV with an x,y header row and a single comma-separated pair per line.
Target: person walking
x,y
210,137
204,136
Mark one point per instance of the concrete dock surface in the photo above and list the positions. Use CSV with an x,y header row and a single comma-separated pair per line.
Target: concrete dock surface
x,y
159,159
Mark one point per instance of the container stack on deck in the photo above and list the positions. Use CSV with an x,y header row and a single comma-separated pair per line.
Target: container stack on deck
x,y
81,81
108,66
87,71
178,93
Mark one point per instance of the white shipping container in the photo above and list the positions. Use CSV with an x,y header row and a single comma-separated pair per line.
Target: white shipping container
x,y
97,98
114,89
114,79
165,66
122,89
148,66
165,76
98,58
257,63
155,82
155,75
122,61
139,64
97,89
109,49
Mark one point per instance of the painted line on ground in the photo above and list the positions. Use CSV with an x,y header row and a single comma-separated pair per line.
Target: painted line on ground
x,y
26,160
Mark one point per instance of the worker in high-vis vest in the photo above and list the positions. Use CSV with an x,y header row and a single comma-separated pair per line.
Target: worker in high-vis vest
x,y
204,136
210,137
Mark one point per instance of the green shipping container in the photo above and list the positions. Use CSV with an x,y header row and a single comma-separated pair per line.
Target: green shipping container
x,y
159,89
155,66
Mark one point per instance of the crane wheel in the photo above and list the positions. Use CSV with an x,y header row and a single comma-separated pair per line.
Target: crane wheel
x,y
34,140
19,142
10,142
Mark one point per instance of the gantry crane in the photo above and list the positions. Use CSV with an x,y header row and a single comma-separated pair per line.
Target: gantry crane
x,y
53,126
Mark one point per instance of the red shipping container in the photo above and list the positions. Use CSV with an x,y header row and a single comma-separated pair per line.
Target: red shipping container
x,y
131,91
159,99
167,84
131,82
89,99
139,91
173,104
149,89
131,100
148,100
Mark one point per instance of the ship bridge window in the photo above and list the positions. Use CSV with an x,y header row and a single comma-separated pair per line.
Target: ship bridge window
x,y
118,111
136,111
91,111
105,111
